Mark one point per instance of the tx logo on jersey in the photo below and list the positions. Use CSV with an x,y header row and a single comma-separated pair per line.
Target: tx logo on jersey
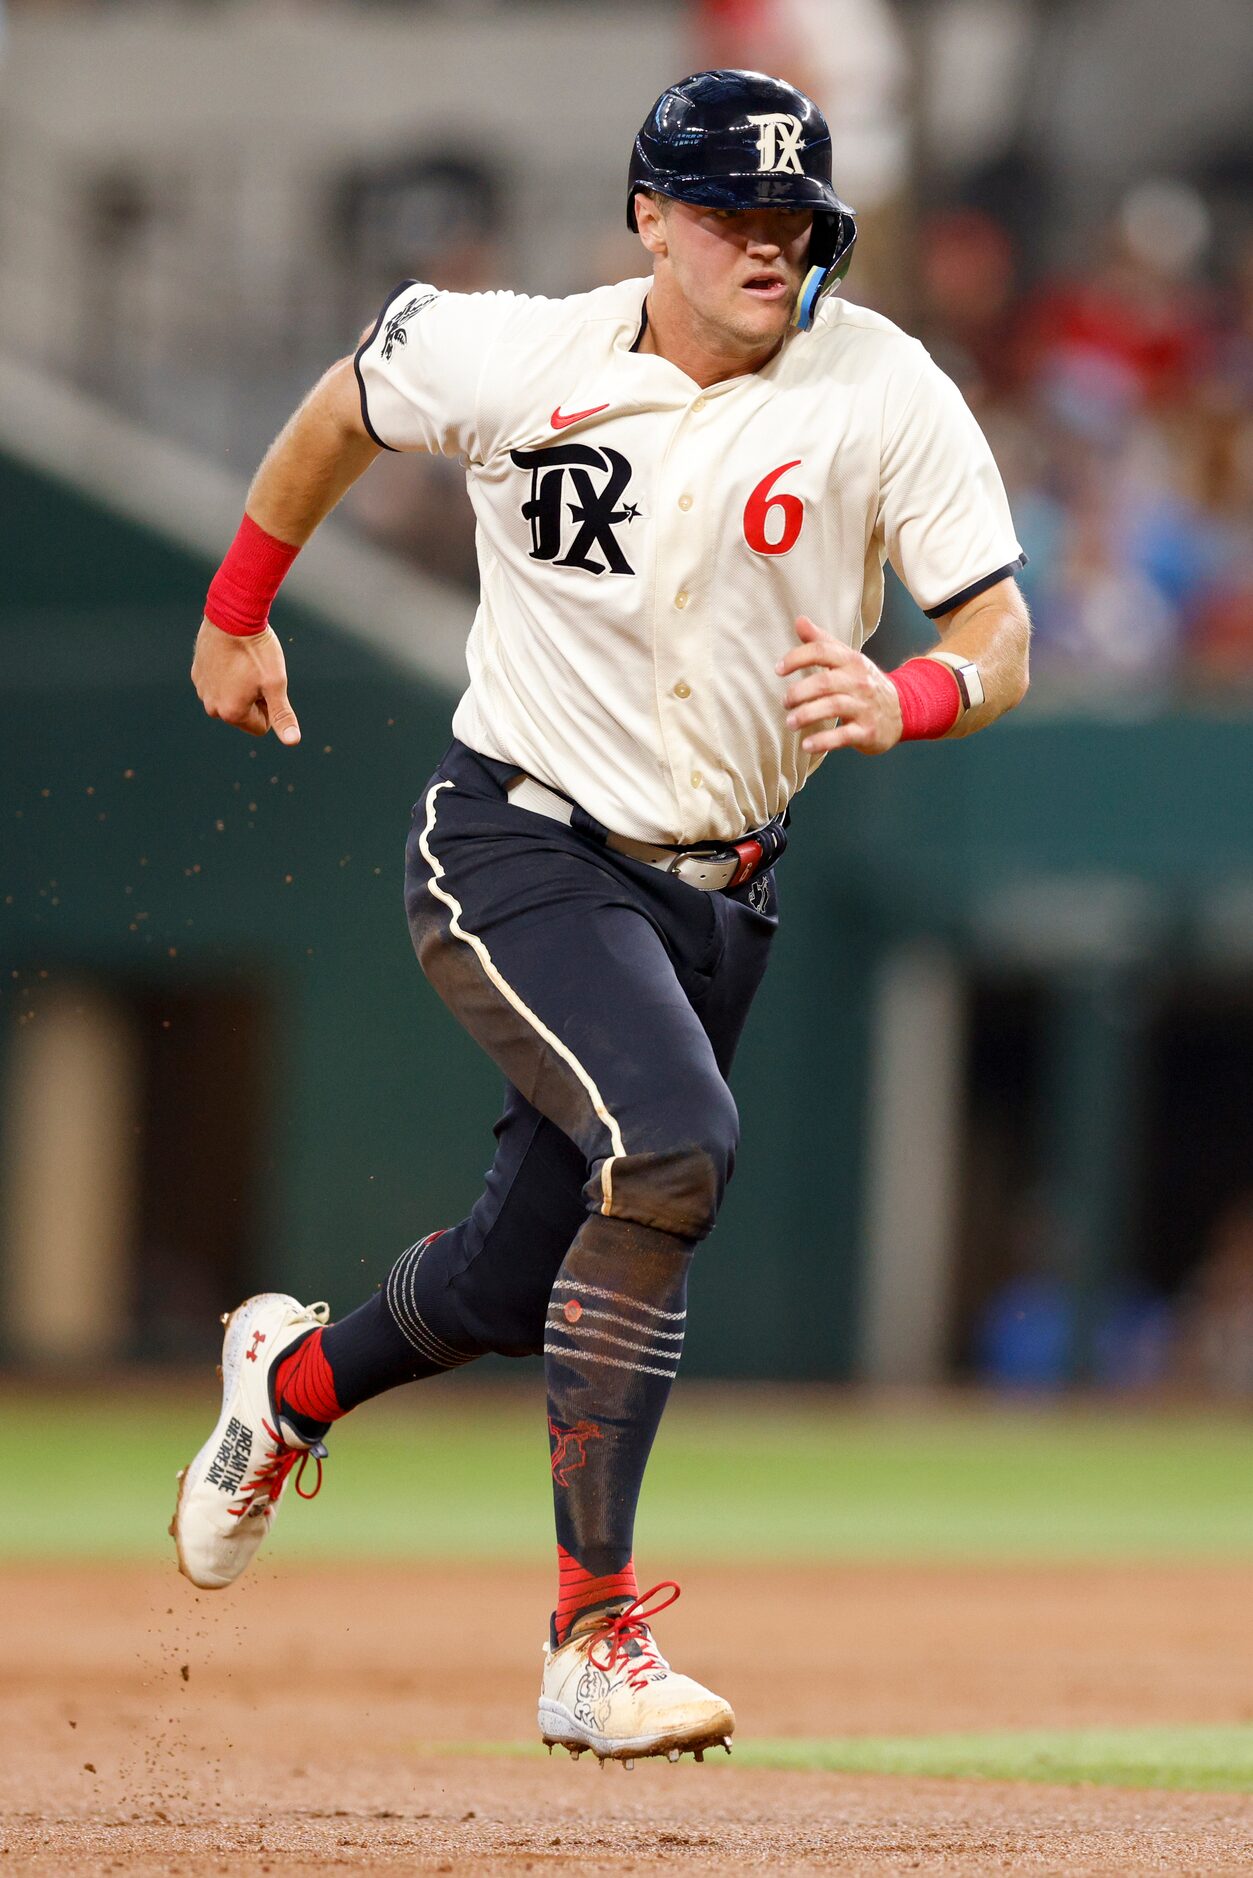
x,y
778,141
575,505
394,332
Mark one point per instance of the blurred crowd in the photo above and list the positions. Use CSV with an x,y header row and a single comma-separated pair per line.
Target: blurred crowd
x,y
1119,401
1197,1339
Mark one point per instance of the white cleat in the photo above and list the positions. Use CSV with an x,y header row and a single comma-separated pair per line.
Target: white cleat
x,y
611,1690
228,1496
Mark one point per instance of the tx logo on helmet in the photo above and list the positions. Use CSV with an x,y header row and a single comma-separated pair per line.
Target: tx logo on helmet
x,y
597,479
778,141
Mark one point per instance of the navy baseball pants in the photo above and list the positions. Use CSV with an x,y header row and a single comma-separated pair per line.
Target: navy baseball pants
x,y
612,997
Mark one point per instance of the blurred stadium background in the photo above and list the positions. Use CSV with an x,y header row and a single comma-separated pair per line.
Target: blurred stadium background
x,y
998,1093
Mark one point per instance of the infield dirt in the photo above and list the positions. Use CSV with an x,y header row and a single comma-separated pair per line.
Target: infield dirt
x,y
319,1720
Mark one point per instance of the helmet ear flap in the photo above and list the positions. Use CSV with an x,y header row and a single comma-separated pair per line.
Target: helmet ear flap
x,y
829,266
834,232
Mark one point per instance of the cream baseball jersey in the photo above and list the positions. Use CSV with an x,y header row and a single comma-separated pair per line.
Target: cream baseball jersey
x,y
645,546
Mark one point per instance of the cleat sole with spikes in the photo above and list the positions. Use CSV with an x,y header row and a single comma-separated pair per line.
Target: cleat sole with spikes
x,y
668,1748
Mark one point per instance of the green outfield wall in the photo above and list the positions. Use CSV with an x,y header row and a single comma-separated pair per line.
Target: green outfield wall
x,y
196,871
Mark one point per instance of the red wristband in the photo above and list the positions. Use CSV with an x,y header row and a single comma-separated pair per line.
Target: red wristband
x,y
242,590
930,696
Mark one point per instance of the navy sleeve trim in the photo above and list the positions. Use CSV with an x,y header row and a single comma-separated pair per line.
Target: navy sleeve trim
x,y
978,587
365,345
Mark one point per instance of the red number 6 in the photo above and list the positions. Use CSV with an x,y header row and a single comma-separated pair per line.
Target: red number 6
x,y
758,507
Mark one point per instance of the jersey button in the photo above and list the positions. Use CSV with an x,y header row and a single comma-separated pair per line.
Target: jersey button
x,y
685,503
680,600
682,691
697,779
700,404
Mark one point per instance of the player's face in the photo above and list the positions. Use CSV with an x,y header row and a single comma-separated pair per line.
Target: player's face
x,y
738,272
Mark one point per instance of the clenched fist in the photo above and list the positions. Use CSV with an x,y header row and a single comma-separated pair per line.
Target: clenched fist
x,y
845,702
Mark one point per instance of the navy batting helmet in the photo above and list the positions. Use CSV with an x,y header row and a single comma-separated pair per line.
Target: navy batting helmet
x,y
742,140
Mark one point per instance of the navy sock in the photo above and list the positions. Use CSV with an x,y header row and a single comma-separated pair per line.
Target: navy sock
x,y
406,1331
612,1345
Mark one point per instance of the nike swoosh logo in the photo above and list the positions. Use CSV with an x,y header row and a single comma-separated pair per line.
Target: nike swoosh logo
x,y
560,421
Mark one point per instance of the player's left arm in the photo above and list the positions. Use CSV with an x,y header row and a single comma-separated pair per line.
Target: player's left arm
x,y
841,700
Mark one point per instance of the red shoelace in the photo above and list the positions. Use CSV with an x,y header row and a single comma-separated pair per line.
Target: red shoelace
x,y
270,1478
631,1626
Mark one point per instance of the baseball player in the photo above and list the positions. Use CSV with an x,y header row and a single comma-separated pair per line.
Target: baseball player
x,y
686,486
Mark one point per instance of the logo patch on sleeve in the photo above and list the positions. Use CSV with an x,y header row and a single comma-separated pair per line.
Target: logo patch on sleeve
x,y
394,332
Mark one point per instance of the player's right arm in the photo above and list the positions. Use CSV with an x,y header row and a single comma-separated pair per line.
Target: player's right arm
x,y
238,670
415,383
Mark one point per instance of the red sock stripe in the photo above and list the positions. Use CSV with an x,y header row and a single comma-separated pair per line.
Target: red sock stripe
x,y
577,1590
304,1384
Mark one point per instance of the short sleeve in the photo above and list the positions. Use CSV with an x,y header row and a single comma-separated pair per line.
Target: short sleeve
x,y
943,512
420,370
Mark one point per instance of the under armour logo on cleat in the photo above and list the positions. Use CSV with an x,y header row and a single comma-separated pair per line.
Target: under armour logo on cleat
x,y
258,1336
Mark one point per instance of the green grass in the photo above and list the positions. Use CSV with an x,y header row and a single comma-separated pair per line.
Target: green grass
x,y
1198,1759
1192,1759
753,1475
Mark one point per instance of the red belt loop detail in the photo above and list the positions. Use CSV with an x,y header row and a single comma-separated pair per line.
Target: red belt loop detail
x,y
751,854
